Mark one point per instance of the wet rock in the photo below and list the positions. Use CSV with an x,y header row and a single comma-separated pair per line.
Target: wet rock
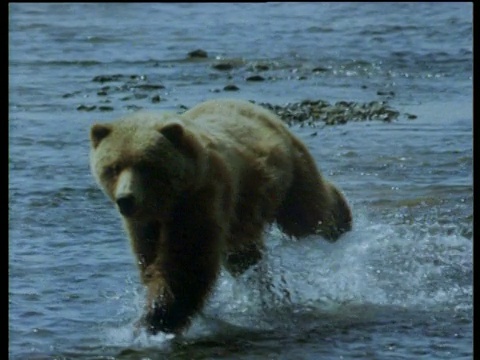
x,y
86,107
138,77
107,78
255,78
68,95
315,103
231,87
133,107
310,112
319,69
149,87
330,121
105,108
198,54
385,93
223,66
389,115
261,67
344,104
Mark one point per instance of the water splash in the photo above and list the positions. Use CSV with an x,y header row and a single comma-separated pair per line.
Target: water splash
x,y
375,265
375,269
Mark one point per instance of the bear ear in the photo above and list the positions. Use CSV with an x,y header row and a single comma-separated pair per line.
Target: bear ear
x,y
98,132
173,132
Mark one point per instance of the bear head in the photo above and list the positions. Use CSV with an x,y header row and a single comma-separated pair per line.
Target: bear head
x,y
144,163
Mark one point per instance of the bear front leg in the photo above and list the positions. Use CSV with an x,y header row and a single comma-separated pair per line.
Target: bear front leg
x,y
186,268
145,239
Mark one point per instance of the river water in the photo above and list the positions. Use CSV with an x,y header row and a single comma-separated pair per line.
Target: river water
x,y
399,286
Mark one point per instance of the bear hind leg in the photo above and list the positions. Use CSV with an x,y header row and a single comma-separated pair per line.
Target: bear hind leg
x,y
313,206
244,250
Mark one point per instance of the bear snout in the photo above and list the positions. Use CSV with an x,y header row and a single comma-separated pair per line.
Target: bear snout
x,y
126,205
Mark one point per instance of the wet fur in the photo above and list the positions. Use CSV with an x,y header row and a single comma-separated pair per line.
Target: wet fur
x,y
207,183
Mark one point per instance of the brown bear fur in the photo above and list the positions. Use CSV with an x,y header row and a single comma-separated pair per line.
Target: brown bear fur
x,y
196,190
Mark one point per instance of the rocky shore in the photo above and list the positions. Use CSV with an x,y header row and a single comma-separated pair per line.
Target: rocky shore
x,y
134,90
310,112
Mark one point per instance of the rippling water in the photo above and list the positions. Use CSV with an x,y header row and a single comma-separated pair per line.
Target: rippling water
x,y
399,286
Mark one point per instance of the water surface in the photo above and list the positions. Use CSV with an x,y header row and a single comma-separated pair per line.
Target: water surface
x,y
399,286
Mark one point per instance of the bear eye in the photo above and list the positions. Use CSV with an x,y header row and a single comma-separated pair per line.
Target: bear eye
x,y
112,171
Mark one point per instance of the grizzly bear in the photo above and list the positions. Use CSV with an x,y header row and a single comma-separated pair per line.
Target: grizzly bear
x,y
196,191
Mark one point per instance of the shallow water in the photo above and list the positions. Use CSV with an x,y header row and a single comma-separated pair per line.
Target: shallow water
x,y
399,286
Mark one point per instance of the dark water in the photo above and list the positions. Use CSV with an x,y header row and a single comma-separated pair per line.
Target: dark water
x,y
399,286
